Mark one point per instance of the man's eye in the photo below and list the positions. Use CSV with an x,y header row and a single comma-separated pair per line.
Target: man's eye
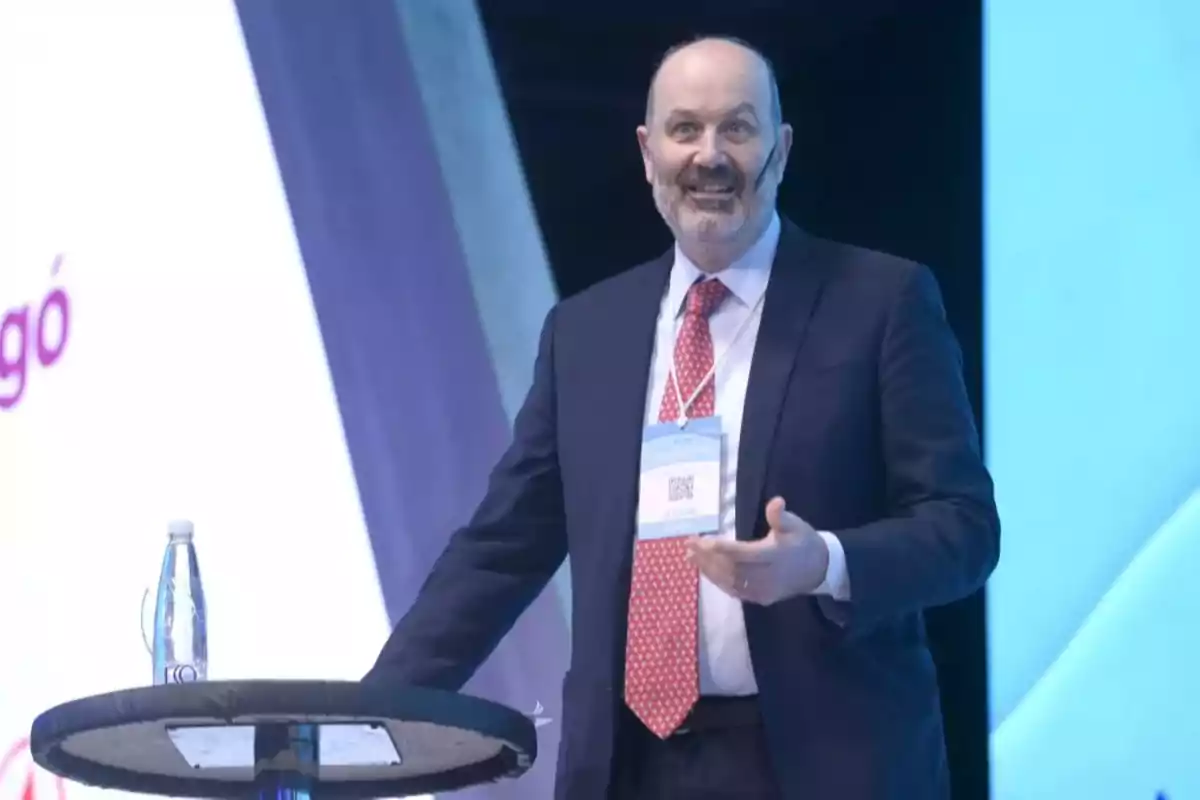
x,y
685,128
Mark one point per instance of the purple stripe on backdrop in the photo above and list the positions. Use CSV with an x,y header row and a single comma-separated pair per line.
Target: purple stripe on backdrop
x,y
418,395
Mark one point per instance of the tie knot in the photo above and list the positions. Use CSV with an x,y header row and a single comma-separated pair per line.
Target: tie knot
x,y
704,297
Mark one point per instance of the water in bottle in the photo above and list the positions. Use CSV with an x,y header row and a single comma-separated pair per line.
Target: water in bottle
x,y
178,644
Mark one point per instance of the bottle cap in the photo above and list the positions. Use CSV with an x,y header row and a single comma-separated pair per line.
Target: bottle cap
x,y
180,529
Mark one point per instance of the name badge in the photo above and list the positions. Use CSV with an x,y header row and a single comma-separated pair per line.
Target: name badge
x,y
680,487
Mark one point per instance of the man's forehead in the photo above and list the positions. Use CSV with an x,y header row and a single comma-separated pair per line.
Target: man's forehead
x,y
714,76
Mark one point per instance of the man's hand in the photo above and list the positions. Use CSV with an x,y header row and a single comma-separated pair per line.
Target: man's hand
x,y
790,560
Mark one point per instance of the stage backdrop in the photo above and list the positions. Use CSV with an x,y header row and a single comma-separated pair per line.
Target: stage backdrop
x,y
271,267
1093,396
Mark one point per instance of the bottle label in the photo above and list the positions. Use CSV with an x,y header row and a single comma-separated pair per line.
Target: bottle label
x,y
180,673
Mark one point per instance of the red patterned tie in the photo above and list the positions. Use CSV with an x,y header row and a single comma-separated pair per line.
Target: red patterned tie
x,y
661,679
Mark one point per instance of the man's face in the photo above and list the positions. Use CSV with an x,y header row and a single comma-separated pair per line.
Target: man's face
x,y
708,141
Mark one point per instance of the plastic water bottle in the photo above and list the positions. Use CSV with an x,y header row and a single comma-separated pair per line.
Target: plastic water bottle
x,y
178,644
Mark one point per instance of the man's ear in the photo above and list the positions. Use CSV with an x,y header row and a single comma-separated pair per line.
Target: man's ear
x,y
785,147
643,138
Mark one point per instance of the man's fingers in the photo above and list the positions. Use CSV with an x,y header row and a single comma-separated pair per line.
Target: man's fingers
x,y
780,519
717,568
776,508
751,579
734,550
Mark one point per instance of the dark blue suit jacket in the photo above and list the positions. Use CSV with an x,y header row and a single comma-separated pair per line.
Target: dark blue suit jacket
x,y
856,413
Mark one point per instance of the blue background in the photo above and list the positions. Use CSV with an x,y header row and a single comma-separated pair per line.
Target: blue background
x,y
1092,200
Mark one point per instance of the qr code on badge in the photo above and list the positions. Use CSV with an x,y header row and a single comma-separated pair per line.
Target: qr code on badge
x,y
680,488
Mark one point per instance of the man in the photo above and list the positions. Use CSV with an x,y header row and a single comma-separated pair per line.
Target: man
x,y
780,414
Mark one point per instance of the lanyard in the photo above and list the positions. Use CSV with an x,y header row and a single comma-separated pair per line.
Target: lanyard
x,y
712,371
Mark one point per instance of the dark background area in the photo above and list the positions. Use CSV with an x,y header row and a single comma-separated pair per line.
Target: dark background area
x,y
886,101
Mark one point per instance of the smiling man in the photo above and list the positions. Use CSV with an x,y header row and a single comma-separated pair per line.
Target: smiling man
x,y
718,117
758,450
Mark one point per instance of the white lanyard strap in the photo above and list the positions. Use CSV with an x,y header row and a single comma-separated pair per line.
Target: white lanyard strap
x,y
673,379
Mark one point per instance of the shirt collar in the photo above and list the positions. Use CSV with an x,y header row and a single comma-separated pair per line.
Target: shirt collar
x,y
746,278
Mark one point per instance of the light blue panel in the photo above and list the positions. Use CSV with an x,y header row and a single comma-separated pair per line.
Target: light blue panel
x,y
1118,715
1092,287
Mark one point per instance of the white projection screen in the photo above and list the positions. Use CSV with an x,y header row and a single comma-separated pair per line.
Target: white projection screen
x,y
198,322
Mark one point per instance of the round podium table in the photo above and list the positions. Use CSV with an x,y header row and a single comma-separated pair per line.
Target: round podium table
x,y
281,739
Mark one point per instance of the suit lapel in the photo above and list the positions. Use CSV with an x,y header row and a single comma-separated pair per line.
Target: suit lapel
x,y
622,378
792,295
623,361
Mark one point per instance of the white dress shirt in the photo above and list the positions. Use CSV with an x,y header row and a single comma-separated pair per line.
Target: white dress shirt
x,y
724,656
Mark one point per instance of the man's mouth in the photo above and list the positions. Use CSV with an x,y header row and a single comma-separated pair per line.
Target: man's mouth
x,y
709,191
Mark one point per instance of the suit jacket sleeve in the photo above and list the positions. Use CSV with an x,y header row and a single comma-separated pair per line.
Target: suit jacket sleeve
x,y
941,538
496,565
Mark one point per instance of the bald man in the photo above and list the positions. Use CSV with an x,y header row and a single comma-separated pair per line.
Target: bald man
x,y
757,449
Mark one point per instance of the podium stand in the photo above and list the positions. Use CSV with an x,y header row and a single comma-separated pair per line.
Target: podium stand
x,y
327,740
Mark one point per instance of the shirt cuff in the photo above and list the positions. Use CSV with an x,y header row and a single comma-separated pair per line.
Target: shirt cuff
x,y
837,582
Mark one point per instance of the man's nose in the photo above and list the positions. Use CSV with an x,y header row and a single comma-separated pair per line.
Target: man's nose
x,y
709,152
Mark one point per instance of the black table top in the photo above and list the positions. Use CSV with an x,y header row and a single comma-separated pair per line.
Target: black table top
x,y
197,739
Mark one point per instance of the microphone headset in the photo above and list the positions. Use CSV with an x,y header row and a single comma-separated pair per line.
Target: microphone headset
x,y
762,174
